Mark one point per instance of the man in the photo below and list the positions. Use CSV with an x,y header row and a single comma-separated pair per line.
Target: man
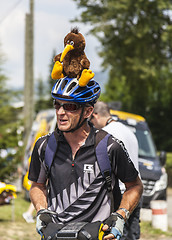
x,y
101,118
76,193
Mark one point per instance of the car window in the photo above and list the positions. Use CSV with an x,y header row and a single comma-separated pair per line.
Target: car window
x,y
146,144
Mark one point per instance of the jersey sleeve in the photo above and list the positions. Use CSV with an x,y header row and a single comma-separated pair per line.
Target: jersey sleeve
x,y
122,165
37,169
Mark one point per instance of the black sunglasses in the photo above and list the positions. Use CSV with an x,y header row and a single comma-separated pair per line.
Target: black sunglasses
x,y
70,107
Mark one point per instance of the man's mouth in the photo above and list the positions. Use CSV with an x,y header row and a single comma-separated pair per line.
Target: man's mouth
x,y
62,121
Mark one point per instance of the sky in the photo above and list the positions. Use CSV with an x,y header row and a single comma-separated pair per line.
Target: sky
x,y
51,24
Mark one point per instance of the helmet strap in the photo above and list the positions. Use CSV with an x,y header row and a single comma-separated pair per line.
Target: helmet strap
x,y
79,124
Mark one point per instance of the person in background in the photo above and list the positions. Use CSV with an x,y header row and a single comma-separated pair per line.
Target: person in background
x,y
28,215
101,118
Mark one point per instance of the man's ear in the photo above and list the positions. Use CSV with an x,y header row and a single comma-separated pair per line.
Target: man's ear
x,y
88,112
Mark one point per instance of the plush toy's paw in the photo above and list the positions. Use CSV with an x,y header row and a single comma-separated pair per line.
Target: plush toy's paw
x,y
86,76
57,71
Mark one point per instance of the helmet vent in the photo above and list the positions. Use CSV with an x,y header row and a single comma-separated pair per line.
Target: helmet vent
x,y
71,86
87,95
90,84
64,84
79,89
96,90
57,84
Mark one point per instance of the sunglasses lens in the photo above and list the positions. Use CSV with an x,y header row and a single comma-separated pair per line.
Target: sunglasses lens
x,y
57,105
70,107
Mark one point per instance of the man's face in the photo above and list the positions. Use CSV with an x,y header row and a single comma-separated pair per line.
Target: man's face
x,y
68,114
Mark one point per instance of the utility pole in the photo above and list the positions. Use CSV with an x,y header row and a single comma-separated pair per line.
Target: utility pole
x,y
29,71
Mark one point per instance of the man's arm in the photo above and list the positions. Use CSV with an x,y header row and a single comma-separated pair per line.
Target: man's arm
x,y
131,196
38,196
129,201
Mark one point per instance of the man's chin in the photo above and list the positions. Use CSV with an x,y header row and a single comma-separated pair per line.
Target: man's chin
x,y
64,128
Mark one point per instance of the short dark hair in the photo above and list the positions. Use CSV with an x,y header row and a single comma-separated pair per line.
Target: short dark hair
x,y
102,109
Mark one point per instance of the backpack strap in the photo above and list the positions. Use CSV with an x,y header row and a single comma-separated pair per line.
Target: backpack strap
x,y
50,152
101,152
104,162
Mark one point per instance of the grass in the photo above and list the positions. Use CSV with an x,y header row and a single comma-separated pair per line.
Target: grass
x,y
148,232
12,224
169,157
169,168
14,227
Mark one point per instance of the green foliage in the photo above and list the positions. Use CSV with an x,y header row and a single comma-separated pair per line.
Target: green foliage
x,y
9,139
169,168
10,152
44,99
51,82
137,49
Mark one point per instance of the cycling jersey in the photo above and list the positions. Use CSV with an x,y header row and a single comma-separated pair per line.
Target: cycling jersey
x,y
77,189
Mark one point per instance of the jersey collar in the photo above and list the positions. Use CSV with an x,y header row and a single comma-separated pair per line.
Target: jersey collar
x,y
89,141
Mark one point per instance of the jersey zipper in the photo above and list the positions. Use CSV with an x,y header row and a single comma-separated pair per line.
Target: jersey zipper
x,y
73,160
73,164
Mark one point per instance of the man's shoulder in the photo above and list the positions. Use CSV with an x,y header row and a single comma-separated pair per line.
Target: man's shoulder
x,y
43,138
42,142
102,133
112,141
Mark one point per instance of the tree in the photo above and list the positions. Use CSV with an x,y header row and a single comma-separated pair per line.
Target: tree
x,y
137,49
44,99
51,82
10,152
41,99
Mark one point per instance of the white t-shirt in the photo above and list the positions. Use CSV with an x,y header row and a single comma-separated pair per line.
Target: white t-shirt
x,y
123,133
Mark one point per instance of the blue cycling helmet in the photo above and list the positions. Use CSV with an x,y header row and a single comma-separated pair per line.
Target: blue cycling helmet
x,y
68,89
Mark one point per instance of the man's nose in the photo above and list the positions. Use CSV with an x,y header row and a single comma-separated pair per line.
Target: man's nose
x,y
61,110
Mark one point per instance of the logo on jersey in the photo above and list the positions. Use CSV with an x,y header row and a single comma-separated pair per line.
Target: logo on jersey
x,y
88,168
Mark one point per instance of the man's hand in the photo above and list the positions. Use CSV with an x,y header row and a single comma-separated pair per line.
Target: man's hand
x,y
44,217
114,225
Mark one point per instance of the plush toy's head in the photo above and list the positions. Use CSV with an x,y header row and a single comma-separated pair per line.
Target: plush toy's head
x,y
73,41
